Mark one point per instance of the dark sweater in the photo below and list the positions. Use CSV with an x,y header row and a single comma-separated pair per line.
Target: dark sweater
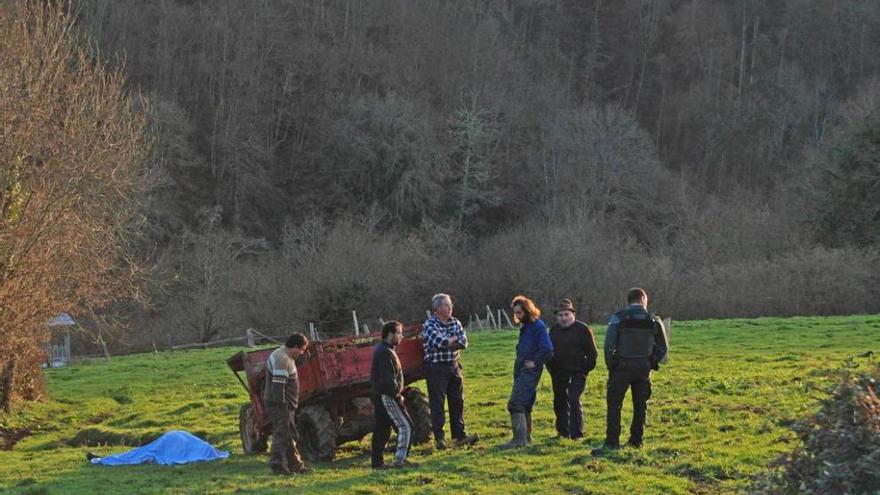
x,y
574,348
386,376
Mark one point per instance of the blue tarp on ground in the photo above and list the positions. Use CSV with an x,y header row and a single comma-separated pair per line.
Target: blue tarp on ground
x,y
174,447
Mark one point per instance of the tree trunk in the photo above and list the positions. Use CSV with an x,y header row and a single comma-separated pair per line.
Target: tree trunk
x,y
7,383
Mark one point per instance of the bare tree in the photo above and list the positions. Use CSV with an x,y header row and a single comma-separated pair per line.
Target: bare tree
x,y
72,141
214,253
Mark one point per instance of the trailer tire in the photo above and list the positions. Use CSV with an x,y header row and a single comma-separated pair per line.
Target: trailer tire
x,y
252,441
317,434
419,410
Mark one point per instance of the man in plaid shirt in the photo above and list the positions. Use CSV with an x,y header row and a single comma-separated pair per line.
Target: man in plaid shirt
x,y
444,338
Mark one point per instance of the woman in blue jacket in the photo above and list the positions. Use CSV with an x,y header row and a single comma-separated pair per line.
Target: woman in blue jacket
x,y
533,350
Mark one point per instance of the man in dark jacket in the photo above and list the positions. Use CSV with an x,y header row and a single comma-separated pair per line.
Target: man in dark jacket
x,y
634,344
386,380
281,397
574,356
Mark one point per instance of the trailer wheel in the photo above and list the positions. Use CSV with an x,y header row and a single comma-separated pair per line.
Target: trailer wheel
x,y
252,441
419,410
317,434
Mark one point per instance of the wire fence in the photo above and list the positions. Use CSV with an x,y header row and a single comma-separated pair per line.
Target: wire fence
x,y
59,355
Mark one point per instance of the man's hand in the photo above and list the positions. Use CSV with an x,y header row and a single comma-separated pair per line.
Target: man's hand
x,y
529,364
453,341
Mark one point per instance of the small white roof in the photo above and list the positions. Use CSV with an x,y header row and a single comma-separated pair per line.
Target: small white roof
x,y
62,320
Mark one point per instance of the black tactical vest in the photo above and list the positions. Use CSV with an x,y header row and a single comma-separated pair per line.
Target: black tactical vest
x,y
635,334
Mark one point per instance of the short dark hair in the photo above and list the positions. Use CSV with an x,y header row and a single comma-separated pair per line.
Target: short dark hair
x,y
391,327
296,340
635,295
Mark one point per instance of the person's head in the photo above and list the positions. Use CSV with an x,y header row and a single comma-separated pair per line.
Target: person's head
x,y
524,310
392,333
637,296
565,314
296,344
442,306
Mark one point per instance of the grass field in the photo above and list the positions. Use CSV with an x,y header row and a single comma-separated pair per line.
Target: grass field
x,y
717,417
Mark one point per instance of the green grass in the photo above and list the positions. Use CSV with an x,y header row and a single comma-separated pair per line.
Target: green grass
x,y
717,417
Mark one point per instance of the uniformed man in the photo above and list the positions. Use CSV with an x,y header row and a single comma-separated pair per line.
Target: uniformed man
x,y
634,344
282,398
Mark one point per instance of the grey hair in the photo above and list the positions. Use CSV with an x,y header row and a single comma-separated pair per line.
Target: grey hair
x,y
438,299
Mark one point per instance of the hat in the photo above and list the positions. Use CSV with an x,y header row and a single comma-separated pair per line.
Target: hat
x,y
566,305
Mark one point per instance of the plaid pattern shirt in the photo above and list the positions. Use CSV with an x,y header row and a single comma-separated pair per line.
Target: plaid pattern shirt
x,y
435,338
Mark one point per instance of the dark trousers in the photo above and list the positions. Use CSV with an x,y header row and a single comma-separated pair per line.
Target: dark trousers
x,y
634,374
388,414
567,389
446,384
284,455
525,388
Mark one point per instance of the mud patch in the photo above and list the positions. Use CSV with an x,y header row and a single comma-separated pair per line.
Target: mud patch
x,y
8,438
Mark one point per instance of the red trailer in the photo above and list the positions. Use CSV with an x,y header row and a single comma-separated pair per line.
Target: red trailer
x,y
334,403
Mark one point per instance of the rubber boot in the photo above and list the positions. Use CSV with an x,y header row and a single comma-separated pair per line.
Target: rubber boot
x,y
529,427
520,431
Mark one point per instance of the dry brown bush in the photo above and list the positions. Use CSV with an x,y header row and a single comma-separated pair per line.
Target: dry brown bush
x,y
72,139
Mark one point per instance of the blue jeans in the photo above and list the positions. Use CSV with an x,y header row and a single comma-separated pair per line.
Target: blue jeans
x,y
525,386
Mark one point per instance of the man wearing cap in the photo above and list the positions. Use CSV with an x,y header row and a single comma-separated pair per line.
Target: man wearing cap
x,y
574,356
634,344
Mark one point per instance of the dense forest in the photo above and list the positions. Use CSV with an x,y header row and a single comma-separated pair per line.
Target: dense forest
x,y
321,156
314,157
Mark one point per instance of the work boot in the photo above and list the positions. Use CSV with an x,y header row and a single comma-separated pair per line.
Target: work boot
x,y
633,443
280,470
520,431
529,427
404,463
606,448
301,469
467,440
440,444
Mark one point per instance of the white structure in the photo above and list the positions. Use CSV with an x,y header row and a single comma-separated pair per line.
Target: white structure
x,y
58,347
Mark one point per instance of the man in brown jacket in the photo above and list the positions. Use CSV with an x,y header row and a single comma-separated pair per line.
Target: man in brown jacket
x,y
281,397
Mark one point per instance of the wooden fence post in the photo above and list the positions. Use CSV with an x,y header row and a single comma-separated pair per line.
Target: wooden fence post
x,y
667,325
490,317
354,317
504,312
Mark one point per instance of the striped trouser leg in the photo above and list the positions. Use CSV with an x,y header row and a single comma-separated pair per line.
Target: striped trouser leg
x,y
401,423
